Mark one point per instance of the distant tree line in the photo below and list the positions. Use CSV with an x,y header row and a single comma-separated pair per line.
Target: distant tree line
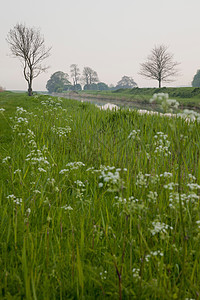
x,y
60,82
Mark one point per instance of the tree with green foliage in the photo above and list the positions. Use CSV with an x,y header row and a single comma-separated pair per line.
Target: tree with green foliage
x,y
159,65
58,81
27,44
126,83
101,86
90,87
77,87
196,79
67,87
71,87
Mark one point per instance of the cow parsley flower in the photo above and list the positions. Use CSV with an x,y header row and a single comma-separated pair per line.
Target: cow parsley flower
x,y
141,180
159,227
42,170
67,207
161,144
6,159
134,134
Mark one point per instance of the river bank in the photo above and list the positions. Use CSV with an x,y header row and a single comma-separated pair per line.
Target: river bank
x,y
136,103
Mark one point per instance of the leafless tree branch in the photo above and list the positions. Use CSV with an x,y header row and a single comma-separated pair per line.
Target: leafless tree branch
x,y
28,45
159,65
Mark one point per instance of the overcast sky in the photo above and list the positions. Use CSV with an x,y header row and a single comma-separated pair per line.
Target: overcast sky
x,y
112,37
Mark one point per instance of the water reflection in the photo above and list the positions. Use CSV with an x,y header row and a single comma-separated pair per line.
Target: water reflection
x,y
121,103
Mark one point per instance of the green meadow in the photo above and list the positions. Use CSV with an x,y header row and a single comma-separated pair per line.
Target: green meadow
x,y
97,204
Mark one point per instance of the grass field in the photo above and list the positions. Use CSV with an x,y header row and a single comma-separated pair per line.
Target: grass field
x,y
97,204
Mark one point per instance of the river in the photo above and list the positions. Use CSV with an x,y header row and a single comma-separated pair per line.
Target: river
x,y
119,102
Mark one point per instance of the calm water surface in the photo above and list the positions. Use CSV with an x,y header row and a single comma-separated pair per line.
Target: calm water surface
x,y
118,102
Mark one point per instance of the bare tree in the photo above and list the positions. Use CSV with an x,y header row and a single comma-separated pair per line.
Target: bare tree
x,y
89,76
27,44
159,65
75,72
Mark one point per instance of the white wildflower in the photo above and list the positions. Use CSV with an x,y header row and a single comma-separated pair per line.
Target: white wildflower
x,y
18,201
28,211
141,180
152,196
136,273
79,183
193,186
67,207
42,170
170,186
159,227
36,192
166,175
134,134
17,171
75,165
6,159
64,171
12,197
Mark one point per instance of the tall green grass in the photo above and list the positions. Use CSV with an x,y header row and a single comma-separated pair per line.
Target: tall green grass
x,y
97,204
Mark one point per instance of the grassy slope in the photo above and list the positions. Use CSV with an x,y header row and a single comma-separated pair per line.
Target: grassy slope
x,y
105,247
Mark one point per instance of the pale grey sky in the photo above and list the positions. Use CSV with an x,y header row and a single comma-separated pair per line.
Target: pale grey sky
x,y
110,36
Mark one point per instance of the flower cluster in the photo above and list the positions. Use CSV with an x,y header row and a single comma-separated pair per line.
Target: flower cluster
x,y
61,131
103,275
52,102
67,207
6,159
20,120
80,189
110,177
134,134
136,273
166,103
153,254
17,201
185,199
72,166
36,157
129,200
141,180
159,227
189,115
161,144
152,197
189,197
